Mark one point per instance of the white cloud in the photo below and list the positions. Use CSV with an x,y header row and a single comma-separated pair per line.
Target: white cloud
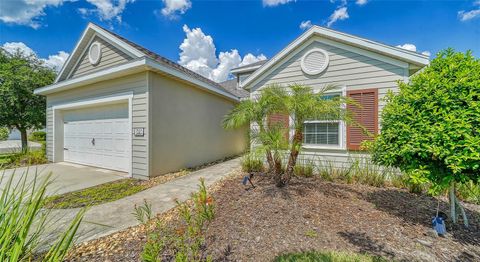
x,y
361,2
276,2
340,13
14,47
410,47
305,24
107,9
173,7
468,15
53,61
198,53
250,59
26,12
427,53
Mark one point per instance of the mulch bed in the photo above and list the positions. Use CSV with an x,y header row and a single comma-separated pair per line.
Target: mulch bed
x,y
311,214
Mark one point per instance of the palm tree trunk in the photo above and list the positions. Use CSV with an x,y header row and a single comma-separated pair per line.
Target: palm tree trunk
x,y
271,163
292,160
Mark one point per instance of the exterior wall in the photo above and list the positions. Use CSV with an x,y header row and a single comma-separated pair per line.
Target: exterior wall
x,y
186,126
111,56
137,84
355,70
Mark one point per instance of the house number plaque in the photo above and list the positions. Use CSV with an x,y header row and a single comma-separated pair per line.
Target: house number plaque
x,y
139,131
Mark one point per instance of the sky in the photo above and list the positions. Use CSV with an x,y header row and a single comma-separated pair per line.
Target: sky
x,y
211,37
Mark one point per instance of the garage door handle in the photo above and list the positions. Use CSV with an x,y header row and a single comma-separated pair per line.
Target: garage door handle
x,y
93,141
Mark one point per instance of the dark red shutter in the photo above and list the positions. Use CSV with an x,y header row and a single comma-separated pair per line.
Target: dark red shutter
x,y
280,119
366,114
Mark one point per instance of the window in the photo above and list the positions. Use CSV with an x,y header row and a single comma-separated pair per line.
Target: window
x,y
318,133
323,132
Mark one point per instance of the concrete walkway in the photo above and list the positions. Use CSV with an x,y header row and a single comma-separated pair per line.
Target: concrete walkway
x,y
114,216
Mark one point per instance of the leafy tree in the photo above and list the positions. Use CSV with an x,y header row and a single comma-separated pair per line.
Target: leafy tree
x,y
431,128
19,107
4,132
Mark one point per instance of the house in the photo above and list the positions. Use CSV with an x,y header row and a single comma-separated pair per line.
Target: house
x,y
362,69
119,106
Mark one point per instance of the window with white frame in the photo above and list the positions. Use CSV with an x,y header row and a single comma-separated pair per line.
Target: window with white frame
x,y
328,133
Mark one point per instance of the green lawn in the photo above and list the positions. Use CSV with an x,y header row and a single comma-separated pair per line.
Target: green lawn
x,y
332,256
98,194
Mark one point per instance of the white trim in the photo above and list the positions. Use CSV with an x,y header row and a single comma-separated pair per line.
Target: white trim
x,y
93,77
342,127
92,60
374,47
128,96
244,69
318,70
79,58
97,31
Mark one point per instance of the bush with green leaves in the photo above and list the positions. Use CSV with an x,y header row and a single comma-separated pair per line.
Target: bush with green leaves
x,y
23,221
38,136
431,128
4,132
183,241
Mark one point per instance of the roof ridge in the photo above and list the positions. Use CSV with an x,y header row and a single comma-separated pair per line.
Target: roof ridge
x,y
167,61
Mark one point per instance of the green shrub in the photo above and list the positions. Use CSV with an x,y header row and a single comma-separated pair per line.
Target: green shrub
x,y
23,220
4,132
184,241
332,256
31,157
252,163
304,170
38,136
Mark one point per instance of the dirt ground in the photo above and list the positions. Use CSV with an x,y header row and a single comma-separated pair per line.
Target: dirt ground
x,y
310,214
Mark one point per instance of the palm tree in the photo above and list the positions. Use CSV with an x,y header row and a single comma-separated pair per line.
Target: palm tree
x,y
254,111
302,104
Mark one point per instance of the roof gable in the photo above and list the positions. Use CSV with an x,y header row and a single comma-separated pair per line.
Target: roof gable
x,y
389,54
110,46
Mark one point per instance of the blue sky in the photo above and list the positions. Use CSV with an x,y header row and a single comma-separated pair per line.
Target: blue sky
x,y
256,27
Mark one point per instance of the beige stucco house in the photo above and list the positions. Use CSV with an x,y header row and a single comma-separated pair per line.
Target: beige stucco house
x,y
363,70
119,106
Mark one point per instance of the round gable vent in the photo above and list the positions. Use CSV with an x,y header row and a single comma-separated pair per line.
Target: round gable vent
x,y
95,53
314,61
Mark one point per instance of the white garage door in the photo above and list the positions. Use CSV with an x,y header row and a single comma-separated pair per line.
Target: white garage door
x,y
98,136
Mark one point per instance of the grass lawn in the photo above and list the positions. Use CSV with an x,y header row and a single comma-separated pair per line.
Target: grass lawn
x,y
107,192
98,194
332,256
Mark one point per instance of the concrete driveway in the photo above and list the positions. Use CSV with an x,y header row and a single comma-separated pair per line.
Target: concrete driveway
x,y
66,177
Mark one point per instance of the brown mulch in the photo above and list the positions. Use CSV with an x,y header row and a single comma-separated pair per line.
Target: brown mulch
x,y
310,214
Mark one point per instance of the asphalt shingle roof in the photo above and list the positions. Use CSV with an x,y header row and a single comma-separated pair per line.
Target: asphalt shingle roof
x,y
234,91
231,86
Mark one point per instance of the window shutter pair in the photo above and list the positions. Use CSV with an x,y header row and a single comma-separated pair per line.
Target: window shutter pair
x,y
364,114
282,120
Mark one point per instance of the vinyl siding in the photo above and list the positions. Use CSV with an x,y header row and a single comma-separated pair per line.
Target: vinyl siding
x,y
111,56
135,83
186,128
355,70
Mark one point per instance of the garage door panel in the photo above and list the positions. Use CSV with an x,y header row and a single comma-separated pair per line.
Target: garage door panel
x,y
109,127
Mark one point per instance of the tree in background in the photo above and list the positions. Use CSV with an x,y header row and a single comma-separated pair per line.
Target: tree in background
x,y
431,129
4,132
19,107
